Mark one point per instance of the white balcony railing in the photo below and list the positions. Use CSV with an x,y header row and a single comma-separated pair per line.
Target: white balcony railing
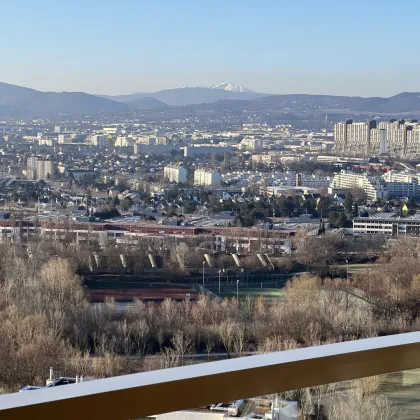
x,y
144,394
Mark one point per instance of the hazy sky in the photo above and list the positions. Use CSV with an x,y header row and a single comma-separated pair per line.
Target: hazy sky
x,y
359,47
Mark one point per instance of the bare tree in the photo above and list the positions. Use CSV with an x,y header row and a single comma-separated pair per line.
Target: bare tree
x,y
181,256
182,344
140,331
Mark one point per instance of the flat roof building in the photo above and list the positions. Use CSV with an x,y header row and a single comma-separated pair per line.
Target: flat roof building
x,y
206,178
175,173
389,224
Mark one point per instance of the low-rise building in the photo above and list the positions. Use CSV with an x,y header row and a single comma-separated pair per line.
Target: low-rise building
x,y
266,159
389,224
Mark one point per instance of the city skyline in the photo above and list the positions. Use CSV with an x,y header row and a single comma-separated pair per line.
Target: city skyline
x,y
322,48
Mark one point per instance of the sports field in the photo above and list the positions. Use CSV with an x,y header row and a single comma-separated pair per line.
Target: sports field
x,y
229,291
125,292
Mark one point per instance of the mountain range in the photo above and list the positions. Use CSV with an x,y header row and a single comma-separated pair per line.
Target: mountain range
x,y
17,100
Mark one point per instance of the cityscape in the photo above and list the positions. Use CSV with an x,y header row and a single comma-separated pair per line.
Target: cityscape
x,y
202,217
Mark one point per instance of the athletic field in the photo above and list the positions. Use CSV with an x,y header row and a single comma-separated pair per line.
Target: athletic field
x,y
229,291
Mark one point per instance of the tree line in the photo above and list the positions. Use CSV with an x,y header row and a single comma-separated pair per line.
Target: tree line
x,y
46,320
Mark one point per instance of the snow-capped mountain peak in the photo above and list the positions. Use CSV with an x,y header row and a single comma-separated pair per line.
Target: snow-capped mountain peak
x,y
230,87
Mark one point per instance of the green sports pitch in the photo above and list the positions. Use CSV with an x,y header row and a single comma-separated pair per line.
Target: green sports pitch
x,y
229,291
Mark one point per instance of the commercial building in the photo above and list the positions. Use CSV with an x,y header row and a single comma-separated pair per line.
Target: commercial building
x,y
175,173
206,178
389,224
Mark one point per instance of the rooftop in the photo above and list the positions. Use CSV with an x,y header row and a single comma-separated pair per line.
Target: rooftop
x,y
389,216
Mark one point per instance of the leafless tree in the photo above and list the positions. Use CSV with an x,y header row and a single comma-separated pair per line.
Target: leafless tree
x,y
181,256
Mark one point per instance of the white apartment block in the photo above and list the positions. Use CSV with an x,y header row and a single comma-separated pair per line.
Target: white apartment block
x,y
206,178
43,169
175,173
122,141
38,167
391,185
99,140
150,141
312,181
375,188
252,144
64,139
402,184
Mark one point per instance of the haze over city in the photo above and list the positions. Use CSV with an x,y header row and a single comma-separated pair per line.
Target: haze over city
x,y
323,47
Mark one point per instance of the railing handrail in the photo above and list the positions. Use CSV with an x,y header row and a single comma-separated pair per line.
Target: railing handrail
x,y
155,392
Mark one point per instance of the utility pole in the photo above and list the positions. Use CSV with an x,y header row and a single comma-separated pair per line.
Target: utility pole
x,y
237,290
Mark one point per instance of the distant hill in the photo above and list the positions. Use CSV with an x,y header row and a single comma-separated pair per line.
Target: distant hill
x,y
11,94
403,102
6,111
147,103
19,100
191,95
33,102
68,103
126,98
199,95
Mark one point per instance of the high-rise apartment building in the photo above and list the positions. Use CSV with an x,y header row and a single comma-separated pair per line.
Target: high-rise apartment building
x,y
175,173
396,138
64,138
206,178
99,140
355,137
43,169
252,144
38,167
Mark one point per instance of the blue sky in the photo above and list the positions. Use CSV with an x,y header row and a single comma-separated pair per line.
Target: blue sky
x,y
296,46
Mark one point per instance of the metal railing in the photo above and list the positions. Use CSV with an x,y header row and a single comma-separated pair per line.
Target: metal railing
x,y
162,391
